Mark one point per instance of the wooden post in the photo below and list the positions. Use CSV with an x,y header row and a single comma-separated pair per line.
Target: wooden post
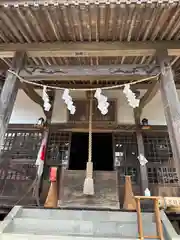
x,y
148,96
159,228
171,106
139,218
143,169
140,143
9,93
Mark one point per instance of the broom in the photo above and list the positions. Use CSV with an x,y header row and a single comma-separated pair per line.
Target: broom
x,y
88,188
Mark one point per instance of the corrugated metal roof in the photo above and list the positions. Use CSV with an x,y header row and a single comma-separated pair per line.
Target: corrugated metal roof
x,y
80,21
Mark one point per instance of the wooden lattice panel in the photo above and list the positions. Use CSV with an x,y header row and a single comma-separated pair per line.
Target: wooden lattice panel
x,y
157,148
109,117
162,175
125,154
17,169
22,144
82,112
160,165
58,148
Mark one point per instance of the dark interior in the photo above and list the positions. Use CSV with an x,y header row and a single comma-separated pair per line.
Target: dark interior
x,y
102,151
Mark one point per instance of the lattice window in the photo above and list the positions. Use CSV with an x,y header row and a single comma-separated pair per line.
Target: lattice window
x,y
125,147
157,148
58,148
130,171
16,177
162,175
109,117
126,153
82,112
22,144
160,159
17,169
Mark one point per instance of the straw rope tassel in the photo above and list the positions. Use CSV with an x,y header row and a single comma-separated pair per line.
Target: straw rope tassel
x,y
89,183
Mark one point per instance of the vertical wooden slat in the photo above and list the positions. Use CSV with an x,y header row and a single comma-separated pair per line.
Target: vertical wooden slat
x,y
139,218
171,106
9,93
158,220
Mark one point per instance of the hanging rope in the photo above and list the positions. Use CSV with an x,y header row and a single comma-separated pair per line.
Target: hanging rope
x,y
90,130
85,89
89,183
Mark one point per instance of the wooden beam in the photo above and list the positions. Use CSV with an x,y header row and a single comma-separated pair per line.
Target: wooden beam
x,y
33,95
8,94
73,73
148,96
171,106
92,49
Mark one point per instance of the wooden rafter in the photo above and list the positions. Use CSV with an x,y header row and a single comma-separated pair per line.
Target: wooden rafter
x,y
108,73
71,2
92,49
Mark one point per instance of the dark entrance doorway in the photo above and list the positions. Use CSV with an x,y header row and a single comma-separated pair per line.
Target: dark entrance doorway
x,y
102,151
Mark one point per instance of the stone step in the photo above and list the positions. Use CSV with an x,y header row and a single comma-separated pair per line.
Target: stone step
x,y
112,229
7,236
83,215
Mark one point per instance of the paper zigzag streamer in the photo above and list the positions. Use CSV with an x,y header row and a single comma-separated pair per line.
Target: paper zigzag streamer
x,y
102,101
45,97
142,160
68,101
131,97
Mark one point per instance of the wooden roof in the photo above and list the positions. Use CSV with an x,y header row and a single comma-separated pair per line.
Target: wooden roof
x,y
89,21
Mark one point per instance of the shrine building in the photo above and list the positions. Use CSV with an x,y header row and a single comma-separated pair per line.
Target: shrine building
x,y
130,52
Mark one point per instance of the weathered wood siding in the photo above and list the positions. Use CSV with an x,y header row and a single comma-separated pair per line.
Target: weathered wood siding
x,y
105,185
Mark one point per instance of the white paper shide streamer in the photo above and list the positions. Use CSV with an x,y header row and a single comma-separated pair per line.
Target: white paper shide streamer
x,y
102,101
45,97
132,100
68,101
142,160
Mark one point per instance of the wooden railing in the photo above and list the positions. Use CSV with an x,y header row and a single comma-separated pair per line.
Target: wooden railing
x,y
159,229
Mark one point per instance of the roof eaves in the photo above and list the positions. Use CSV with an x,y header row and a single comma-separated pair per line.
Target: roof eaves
x,y
7,3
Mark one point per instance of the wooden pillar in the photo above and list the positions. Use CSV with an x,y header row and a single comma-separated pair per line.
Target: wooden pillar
x,y
171,106
9,93
143,169
140,143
